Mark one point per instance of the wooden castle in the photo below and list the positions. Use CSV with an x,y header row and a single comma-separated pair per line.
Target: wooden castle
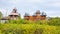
x,y
37,16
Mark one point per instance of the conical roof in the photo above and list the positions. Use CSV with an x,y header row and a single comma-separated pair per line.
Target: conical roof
x,y
43,13
26,14
38,12
14,12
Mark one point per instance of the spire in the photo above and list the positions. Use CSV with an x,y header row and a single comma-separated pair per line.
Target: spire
x,y
14,10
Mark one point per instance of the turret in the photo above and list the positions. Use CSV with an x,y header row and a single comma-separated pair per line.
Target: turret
x,y
14,14
26,16
43,14
38,13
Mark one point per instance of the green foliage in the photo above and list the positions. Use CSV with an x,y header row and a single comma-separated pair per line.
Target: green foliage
x,y
22,26
0,15
54,21
19,21
28,29
42,22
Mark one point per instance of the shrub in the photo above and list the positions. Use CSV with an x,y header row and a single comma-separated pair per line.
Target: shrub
x,y
28,29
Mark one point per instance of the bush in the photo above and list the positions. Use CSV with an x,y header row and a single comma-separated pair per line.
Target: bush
x,y
54,21
28,29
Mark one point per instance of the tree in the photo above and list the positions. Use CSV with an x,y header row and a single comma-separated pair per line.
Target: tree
x,y
19,16
0,15
54,21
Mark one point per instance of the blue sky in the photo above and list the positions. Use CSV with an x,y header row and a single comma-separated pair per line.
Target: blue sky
x,y
51,7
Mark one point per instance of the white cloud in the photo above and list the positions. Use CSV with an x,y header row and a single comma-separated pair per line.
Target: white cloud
x,y
34,1
56,4
53,3
52,13
12,1
23,1
15,1
4,12
32,5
